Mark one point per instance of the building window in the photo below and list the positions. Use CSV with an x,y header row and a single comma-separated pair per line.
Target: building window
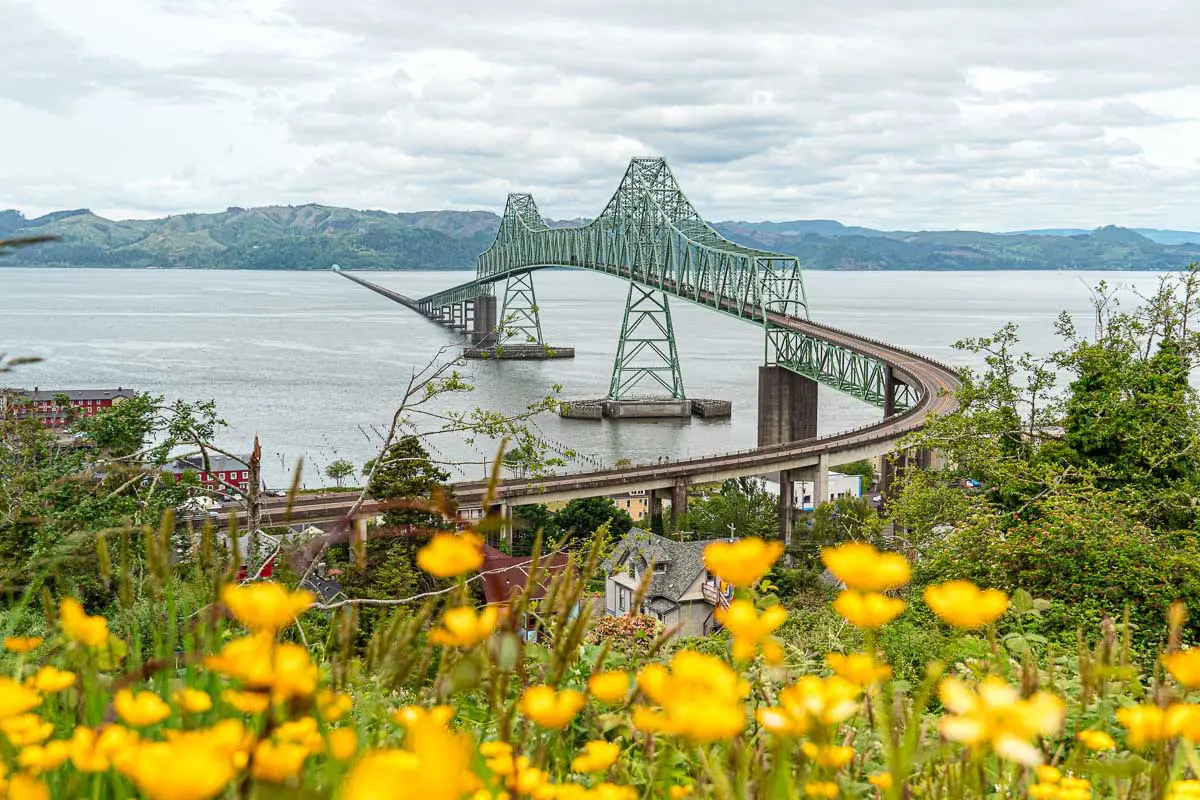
x,y
660,568
620,598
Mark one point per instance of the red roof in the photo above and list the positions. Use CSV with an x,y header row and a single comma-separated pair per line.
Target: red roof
x,y
513,575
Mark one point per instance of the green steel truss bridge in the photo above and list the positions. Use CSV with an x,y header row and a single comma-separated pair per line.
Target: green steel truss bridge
x,y
651,236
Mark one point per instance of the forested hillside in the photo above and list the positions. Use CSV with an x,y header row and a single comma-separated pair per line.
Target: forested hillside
x,y
316,237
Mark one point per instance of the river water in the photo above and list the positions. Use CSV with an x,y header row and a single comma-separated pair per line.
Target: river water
x,y
315,364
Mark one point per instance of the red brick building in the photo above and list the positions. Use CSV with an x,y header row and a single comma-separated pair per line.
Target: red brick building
x,y
221,471
51,405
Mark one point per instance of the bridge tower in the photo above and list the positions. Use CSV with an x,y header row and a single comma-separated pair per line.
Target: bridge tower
x,y
519,318
646,348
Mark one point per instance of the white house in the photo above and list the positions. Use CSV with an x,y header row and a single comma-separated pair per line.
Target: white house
x,y
839,486
682,593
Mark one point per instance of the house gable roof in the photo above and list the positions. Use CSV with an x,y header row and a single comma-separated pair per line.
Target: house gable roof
x,y
504,575
683,561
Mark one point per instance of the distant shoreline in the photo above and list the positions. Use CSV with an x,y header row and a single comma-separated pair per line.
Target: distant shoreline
x,y
806,268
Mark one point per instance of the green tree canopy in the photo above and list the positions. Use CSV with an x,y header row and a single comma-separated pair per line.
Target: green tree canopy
x,y
582,517
406,474
339,470
743,503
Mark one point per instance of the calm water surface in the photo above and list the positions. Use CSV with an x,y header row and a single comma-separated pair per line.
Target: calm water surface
x,y
315,364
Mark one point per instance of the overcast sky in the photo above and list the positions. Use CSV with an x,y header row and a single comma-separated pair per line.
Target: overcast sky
x,y
901,114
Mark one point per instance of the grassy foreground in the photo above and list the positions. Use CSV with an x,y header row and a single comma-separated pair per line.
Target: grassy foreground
x,y
229,699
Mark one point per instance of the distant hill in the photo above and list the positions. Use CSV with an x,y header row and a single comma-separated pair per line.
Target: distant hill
x,y
272,237
315,237
1153,234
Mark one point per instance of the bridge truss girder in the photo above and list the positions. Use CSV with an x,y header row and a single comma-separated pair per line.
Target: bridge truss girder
x,y
845,370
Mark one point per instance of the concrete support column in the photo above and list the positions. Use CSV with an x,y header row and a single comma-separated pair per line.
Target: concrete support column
x,y
787,406
889,392
655,498
679,502
821,481
787,506
483,327
506,526
895,465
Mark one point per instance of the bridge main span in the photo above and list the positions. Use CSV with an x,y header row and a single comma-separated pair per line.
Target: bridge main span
x,y
651,236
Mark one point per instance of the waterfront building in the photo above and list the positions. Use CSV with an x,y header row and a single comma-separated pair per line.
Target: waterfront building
x,y
54,407
221,470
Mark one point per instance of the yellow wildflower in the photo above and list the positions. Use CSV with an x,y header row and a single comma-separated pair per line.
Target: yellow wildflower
x,y
1184,666
37,759
699,695
79,627
1096,740
180,770
609,687
332,706
381,773
528,780
463,627
858,668
811,702
821,789
265,606
680,792
881,780
16,699
26,729
262,664
1183,719
860,566
436,766
965,605
302,731
1048,774
229,737
23,644
1144,723
1183,790
141,709
275,762
495,749
742,563
410,716
27,787
193,701
343,743
599,755
829,755
451,554
92,751
748,627
246,702
610,791
551,709
49,680
867,610
993,713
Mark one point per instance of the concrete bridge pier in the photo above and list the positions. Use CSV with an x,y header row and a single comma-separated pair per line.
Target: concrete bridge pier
x,y
787,505
655,498
679,502
483,325
787,406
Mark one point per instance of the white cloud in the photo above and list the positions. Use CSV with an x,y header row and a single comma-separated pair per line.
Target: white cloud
x,y
913,114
